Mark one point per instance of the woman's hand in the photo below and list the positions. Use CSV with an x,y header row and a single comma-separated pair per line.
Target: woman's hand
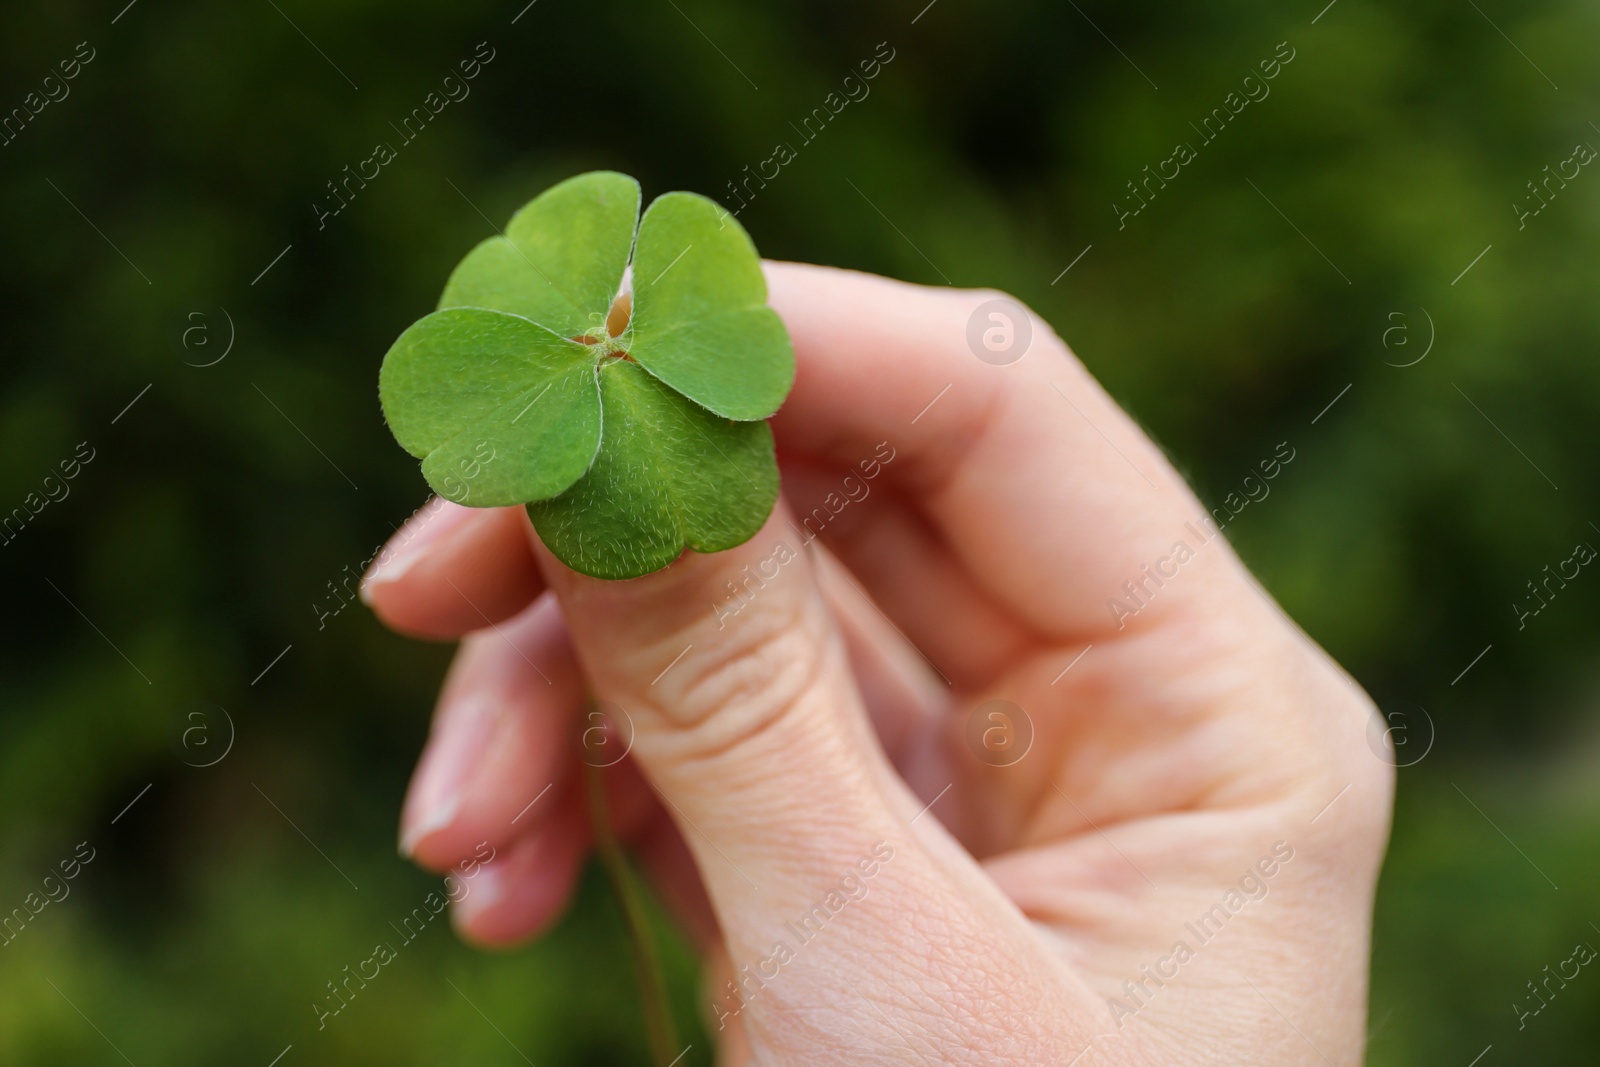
x,y
1161,850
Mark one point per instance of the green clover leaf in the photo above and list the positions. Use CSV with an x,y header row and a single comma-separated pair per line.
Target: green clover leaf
x,y
626,447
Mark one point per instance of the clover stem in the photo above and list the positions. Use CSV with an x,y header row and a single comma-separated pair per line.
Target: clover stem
x,y
646,957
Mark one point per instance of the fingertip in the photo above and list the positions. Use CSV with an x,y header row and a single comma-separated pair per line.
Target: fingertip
x,y
452,570
424,841
524,890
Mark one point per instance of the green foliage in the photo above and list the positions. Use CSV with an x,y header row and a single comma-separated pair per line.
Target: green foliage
x,y
465,379
518,392
560,262
668,475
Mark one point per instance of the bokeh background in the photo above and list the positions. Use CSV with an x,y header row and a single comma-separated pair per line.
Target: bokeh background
x,y
1310,256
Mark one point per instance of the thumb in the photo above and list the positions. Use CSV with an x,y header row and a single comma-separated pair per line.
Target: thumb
x,y
743,710
828,884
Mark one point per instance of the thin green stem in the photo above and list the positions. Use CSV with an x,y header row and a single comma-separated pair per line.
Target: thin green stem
x,y
646,957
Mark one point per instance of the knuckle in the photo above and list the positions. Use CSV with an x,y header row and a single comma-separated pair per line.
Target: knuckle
x,y
977,297
1357,822
737,686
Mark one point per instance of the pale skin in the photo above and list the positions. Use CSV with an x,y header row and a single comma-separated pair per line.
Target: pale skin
x,y
775,747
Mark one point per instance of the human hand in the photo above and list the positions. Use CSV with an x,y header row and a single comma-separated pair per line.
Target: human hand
x,y
1198,774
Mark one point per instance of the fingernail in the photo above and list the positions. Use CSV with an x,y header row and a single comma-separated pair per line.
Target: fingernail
x,y
453,755
437,520
431,823
483,893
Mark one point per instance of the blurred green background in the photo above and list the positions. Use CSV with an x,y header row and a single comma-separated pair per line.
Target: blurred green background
x,y
188,154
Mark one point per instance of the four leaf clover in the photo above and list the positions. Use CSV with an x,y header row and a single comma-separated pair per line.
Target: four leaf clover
x,y
631,425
